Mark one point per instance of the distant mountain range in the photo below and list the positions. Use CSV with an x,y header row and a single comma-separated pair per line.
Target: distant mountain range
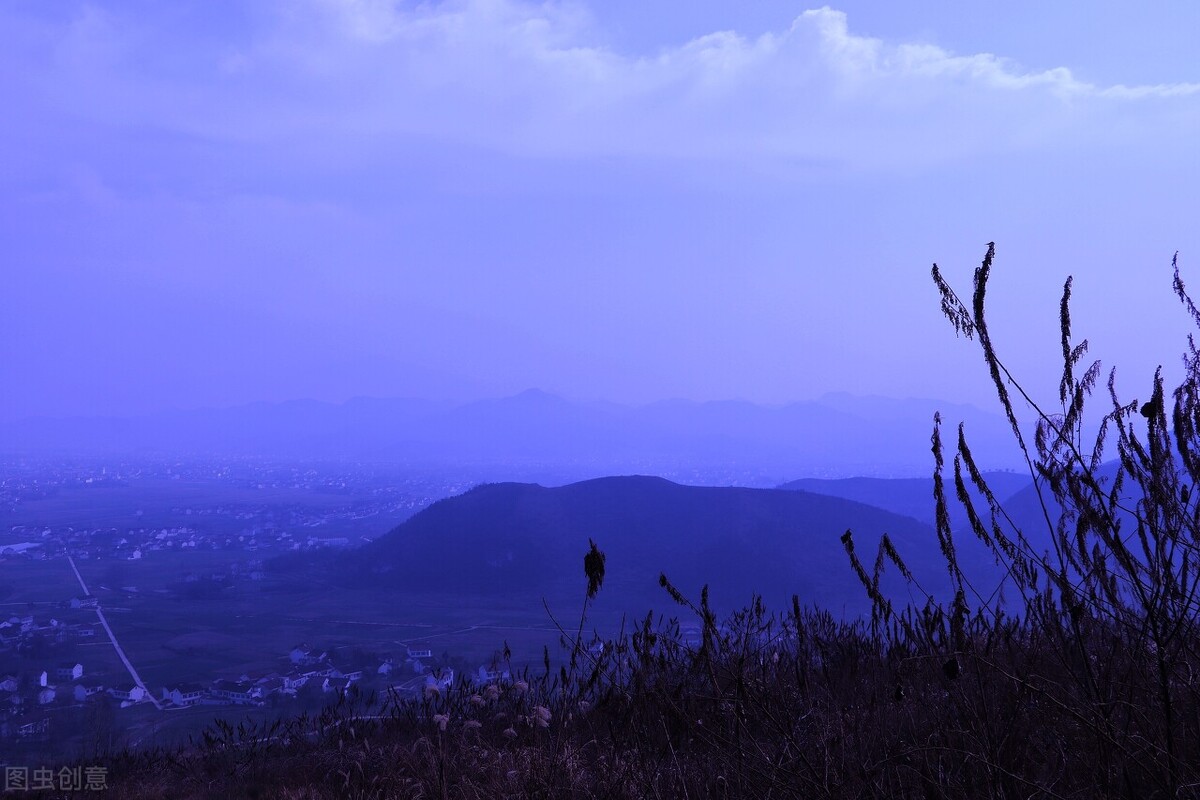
x,y
837,435
510,538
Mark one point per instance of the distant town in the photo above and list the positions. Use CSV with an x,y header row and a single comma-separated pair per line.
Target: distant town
x,y
181,533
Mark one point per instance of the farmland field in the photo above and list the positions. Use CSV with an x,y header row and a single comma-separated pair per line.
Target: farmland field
x,y
182,570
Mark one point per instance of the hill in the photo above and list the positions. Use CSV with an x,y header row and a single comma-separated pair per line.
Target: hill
x,y
510,537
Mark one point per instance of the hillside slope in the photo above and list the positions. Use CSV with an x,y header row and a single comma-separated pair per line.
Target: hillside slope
x,y
501,538
911,497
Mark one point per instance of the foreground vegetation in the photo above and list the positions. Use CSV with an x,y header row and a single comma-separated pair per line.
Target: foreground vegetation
x,y
1080,677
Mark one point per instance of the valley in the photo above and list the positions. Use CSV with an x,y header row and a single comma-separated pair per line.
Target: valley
x,y
211,574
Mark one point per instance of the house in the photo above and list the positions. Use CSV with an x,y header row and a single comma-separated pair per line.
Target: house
x,y
234,692
127,693
54,631
294,681
46,696
83,691
68,672
441,680
350,674
85,601
9,684
39,728
414,654
303,654
317,672
491,674
184,694
386,667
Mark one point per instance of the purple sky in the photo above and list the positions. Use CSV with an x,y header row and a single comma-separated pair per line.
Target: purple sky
x,y
211,203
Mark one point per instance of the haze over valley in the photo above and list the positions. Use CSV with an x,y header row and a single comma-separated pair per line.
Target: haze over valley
x,y
537,433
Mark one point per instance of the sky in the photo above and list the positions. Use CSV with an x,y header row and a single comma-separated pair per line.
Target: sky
x,y
209,203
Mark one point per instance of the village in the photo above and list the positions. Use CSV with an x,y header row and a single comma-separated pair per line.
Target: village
x,y
308,677
154,536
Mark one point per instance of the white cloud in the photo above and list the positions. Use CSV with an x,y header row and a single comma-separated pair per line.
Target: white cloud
x,y
532,79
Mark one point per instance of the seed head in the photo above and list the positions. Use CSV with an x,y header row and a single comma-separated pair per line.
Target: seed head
x,y
593,568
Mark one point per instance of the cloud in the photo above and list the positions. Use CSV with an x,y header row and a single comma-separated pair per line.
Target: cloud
x,y
536,80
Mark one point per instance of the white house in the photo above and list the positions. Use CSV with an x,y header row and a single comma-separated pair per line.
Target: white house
x,y
184,694
443,679
236,693
491,674
128,692
38,728
293,682
69,672
84,691
303,654
349,673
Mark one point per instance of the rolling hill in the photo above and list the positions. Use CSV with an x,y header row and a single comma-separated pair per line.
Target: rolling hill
x,y
509,538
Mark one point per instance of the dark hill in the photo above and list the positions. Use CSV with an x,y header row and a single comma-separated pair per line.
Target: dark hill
x,y
502,538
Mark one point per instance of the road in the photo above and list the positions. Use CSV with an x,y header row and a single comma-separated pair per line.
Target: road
x,y
137,679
